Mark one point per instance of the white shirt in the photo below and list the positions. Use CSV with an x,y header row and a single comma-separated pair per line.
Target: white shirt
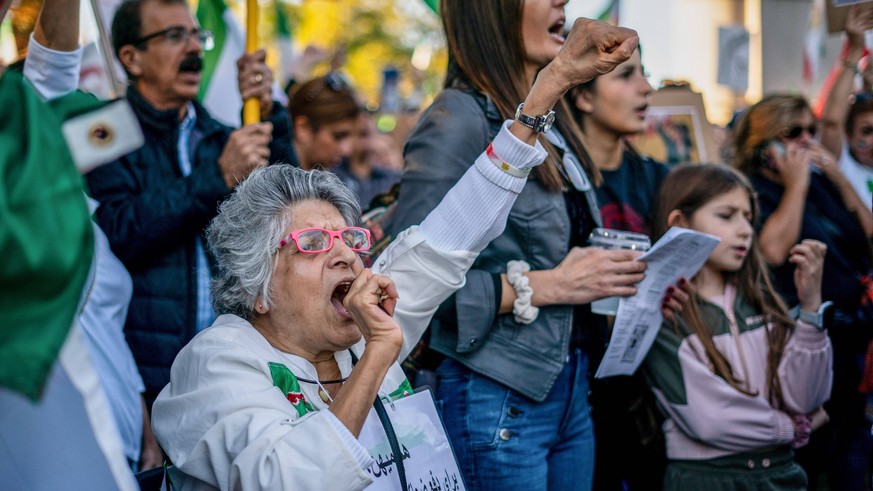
x,y
860,176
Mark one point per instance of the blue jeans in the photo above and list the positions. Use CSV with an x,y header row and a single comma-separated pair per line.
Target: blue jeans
x,y
504,440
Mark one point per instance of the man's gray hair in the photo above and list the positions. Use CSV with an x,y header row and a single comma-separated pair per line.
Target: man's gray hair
x,y
251,223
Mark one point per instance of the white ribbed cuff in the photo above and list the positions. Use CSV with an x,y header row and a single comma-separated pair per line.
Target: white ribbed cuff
x,y
513,152
783,427
52,73
359,453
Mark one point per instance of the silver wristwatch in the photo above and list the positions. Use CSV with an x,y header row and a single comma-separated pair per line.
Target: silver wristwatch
x,y
820,319
540,124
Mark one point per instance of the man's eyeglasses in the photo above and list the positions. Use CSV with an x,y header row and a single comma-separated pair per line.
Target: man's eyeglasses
x,y
180,35
794,132
315,240
333,80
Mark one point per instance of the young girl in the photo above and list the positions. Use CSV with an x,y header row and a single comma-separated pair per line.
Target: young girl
x,y
736,376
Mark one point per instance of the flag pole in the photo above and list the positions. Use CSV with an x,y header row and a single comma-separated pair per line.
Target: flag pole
x,y
106,51
251,106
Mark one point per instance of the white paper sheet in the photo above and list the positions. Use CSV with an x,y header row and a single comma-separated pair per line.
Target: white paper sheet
x,y
679,253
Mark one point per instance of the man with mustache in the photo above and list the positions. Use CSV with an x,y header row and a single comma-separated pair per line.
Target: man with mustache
x,y
156,201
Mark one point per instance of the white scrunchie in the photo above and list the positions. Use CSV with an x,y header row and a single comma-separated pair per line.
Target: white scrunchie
x,y
522,310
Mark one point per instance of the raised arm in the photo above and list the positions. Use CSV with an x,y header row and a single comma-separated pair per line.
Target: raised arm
x,y
837,107
782,228
57,27
474,211
54,57
805,370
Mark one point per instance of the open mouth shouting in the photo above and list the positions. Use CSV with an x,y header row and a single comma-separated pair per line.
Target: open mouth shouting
x,y
556,30
339,295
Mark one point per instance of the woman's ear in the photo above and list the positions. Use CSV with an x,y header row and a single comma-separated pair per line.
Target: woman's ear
x,y
302,129
260,308
583,99
677,219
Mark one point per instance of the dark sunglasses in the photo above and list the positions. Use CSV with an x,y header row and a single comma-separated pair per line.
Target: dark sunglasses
x,y
332,81
862,97
179,35
794,132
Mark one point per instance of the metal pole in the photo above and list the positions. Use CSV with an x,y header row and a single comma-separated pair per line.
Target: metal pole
x,y
106,51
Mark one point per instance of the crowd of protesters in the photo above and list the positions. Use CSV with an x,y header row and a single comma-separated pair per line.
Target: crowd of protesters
x,y
236,297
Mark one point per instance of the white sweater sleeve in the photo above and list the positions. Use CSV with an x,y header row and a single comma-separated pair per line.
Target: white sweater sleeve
x,y
52,73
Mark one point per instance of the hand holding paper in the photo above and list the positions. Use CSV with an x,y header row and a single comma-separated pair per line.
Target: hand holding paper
x,y
680,253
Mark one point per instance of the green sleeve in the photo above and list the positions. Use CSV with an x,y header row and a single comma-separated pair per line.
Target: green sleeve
x,y
45,238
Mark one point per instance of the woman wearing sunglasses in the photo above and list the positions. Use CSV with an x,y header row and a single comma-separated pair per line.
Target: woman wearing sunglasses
x,y
274,395
803,195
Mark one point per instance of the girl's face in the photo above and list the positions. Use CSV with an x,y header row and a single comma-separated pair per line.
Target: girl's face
x,y
542,25
619,99
861,139
729,218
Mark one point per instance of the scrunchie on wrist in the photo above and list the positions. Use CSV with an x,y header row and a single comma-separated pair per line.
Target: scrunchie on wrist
x,y
802,430
522,310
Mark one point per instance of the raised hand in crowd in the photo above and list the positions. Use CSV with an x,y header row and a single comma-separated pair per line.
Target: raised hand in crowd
x,y
58,25
591,49
833,116
808,259
247,149
256,80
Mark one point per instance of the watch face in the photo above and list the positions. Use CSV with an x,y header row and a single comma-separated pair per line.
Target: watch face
x,y
827,314
549,121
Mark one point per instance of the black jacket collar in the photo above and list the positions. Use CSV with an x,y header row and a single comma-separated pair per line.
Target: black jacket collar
x,y
155,119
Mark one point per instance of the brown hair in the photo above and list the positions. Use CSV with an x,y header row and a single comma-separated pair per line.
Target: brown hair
x,y
765,121
486,52
686,189
324,100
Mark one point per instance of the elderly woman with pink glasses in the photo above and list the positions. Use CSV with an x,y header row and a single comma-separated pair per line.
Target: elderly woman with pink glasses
x,y
275,393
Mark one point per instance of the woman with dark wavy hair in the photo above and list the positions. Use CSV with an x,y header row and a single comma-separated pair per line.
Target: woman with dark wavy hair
x,y
514,381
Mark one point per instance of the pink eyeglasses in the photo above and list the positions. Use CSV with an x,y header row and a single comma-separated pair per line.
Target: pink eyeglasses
x,y
315,240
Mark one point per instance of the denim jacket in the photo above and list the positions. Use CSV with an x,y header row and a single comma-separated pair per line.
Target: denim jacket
x,y
452,132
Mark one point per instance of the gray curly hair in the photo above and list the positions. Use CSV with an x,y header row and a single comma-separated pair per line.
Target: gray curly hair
x,y
251,223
